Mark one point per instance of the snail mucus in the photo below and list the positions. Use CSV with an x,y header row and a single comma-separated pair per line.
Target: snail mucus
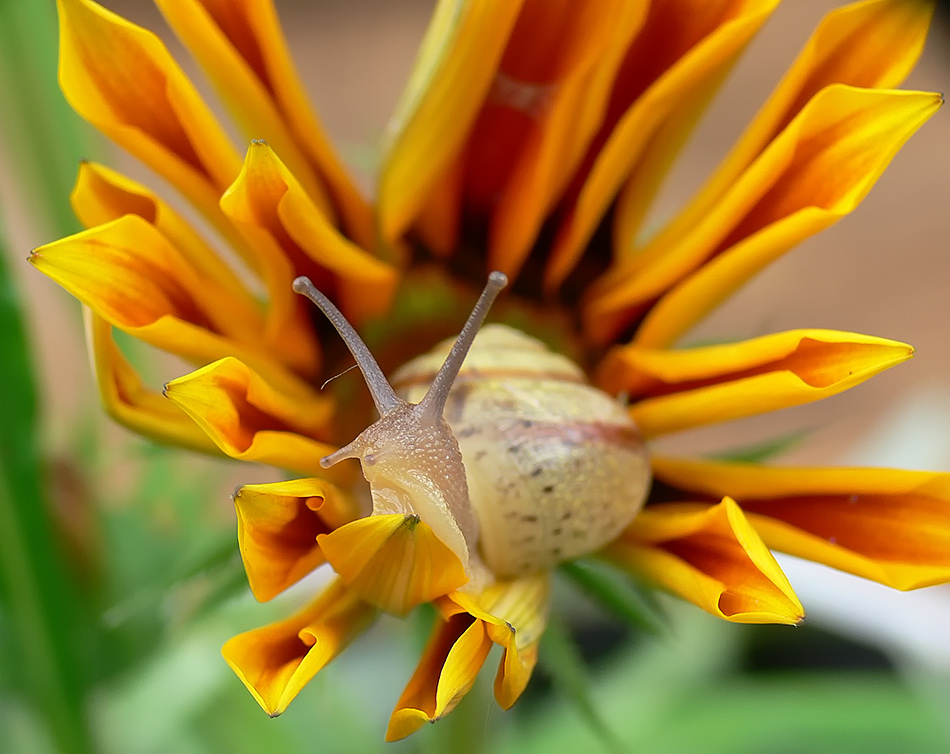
x,y
498,444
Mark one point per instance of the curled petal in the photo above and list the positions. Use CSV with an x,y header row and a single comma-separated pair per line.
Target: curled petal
x,y
278,524
122,79
129,274
275,662
888,525
815,171
446,672
267,200
241,47
393,561
657,99
249,418
512,614
453,73
872,44
128,401
675,390
102,195
711,556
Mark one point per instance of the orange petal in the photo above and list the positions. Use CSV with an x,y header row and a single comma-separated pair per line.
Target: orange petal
x,y
275,662
453,73
658,97
871,44
675,390
127,400
278,525
129,274
393,561
251,419
122,79
891,526
711,556
267,201
515,614
102,195
815,172
241,47
548,100
446,672
511,614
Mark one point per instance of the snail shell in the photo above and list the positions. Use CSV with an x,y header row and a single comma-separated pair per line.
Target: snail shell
x,y
555,468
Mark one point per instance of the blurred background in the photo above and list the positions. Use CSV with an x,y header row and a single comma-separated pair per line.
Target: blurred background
x,y
130,582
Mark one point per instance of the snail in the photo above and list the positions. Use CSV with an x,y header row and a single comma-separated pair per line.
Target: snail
x,y
512,458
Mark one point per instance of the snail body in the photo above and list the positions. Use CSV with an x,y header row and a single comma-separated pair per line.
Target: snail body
x,y
555,468
512,459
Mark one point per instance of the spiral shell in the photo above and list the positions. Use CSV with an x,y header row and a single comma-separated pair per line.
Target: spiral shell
x,y
555,468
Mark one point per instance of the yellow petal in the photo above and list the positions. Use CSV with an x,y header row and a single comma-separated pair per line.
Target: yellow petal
x,y
679,389
266,199
515,613
446,672
251,419
659,112
102,195
275,662
871,44
711,556
122,79
393,561
453,72
241,47
888,525
815,172
127,400
129,274
278,524
512,614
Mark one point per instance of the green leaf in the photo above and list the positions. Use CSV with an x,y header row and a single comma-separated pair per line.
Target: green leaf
x,y
37,592
50,138
764,451
618,593
562,661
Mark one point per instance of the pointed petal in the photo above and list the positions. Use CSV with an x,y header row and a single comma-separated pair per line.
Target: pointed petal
x,y
512,614
673,390
815,172
129,274
659,108
122,79
888,525
266,200
250,419
127,400
446,672
711,556
393,561
278,524
241,47
102,195
870,44
275,662
516,614
451,78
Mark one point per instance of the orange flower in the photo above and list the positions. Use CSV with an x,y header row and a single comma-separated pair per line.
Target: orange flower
x,y
531,140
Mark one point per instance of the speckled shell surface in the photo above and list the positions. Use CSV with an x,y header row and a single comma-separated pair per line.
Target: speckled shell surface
x,y
555,468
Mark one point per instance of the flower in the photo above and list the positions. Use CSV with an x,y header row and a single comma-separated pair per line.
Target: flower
x,y
531,139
